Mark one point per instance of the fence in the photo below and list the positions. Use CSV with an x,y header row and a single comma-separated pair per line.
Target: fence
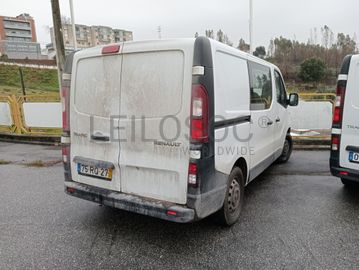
x,y
41,115
34,115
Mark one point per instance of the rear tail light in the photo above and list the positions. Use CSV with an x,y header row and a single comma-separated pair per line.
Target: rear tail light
x,y
339,103
65,94
335,142
193,174
199,114
66,154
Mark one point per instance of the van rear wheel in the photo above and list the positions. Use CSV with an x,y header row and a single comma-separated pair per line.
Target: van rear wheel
x,y
233,201
287,150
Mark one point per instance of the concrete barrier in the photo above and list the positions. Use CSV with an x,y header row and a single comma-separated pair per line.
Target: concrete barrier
x,y
5,114
311,115
43,115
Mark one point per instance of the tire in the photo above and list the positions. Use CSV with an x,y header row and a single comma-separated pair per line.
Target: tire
x,y
233,201
287,150
349,183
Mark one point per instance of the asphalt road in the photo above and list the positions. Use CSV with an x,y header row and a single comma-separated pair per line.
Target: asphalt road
x,y
296,216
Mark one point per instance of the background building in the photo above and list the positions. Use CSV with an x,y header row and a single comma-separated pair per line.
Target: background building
x,y
88,36
18,37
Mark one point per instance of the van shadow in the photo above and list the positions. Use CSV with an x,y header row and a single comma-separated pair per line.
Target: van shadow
x,y
144,232
349,195
147,235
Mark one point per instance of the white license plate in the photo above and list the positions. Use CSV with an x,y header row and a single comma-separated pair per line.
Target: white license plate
x,y
94,171
354,157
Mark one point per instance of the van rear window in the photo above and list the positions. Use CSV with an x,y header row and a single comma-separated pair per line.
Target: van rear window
x,y
152,83
97,85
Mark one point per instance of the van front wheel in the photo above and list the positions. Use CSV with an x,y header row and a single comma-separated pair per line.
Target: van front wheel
x,y
287,150
233,201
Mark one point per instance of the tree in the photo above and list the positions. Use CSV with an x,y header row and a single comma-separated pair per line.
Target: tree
x,y
220,36
312,70
243,46
4,57
210,33
260,52
227,41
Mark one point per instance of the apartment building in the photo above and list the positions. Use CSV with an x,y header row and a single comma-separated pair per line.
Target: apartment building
x,y
90,36
18,37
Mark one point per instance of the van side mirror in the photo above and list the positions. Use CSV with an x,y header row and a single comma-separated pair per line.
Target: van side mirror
x,y
293,99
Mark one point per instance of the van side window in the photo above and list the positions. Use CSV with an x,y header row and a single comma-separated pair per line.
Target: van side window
x,y
280,89
260,86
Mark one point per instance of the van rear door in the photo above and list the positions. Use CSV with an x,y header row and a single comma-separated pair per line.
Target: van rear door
x,y
349,149
95,99
155,104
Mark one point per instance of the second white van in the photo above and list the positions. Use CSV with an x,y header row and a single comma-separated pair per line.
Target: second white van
x,y
173,129
344,159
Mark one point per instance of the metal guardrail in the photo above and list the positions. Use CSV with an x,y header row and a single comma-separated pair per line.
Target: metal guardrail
x,y
330,97
18,126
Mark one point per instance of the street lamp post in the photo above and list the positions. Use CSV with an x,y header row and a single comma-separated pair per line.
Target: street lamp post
x,y
73,24
251,49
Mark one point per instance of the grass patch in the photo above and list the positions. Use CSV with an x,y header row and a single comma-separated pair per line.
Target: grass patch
x,y
41,164
36,79
4,162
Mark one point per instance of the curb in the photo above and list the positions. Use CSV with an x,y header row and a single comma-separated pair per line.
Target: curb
x,y
31,139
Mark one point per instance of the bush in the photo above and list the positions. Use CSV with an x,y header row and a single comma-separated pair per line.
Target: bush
x,y
312,70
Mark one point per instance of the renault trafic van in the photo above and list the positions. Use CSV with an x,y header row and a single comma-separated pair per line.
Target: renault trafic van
x,y
344,159
173,129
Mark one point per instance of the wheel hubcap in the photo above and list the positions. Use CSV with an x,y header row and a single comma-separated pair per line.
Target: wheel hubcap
x,y
286,148
234,196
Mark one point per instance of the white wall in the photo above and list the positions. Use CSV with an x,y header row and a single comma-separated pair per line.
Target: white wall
x,y
5,114
314,115
307,115
43,114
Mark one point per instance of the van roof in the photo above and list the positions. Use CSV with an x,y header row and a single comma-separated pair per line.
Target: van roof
x,y
97,50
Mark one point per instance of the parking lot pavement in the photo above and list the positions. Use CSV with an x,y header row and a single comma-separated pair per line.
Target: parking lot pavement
x,y
296,216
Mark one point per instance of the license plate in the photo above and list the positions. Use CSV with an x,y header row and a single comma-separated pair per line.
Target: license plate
x,y
93,171
354,157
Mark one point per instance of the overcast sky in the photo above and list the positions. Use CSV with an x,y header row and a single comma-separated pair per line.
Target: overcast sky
x,y
182,18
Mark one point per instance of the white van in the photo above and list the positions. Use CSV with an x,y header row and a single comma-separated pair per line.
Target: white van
x,y
173,129
344,159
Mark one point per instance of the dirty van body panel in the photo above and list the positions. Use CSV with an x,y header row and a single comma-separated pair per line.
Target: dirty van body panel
x,y
156,85
350,125
95,100
233,116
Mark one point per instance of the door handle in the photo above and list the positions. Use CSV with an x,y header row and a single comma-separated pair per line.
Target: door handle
x,y
277,120
101,138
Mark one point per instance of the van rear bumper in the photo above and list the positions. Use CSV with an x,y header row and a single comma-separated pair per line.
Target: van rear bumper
x,y
336,170
154,208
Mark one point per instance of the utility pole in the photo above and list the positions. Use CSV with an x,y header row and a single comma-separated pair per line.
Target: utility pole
x,y
59,40
73,24
251,49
